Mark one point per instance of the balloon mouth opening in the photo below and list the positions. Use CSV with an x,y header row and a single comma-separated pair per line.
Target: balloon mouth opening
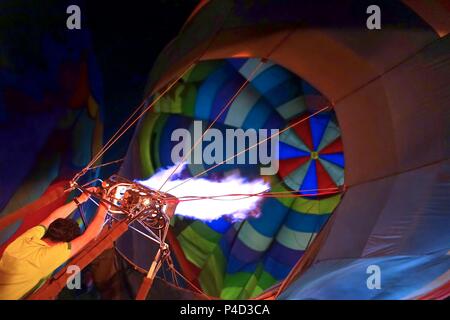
x,y
308,184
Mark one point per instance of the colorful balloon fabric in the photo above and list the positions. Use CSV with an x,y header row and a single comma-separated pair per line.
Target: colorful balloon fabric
x,y
50,105
241,260
311,155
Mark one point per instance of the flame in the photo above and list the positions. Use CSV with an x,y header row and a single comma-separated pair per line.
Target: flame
x,y
234,207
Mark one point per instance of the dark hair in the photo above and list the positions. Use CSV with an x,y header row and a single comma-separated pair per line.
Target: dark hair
x,y
62,230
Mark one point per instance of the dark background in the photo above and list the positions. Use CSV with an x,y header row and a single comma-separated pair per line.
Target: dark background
x,y
127,37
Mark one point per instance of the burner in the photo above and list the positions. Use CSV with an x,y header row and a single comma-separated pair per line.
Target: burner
x,y
136,201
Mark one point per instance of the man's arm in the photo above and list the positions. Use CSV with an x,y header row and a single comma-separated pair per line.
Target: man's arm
x,y
171,206
91,232
64,211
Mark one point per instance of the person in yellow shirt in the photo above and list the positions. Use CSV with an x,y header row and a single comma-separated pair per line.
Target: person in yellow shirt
x,y
31,258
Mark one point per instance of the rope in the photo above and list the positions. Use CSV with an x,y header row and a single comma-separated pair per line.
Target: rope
x,y
282,194
188,282
108,143
106,164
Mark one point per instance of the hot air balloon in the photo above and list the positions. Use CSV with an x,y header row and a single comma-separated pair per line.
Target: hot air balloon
x,y
370,224
241,260
388,113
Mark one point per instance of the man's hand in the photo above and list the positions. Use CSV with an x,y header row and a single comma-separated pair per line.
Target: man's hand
x,y
85,195
65,210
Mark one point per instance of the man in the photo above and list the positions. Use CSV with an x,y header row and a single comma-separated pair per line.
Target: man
x,y
30,259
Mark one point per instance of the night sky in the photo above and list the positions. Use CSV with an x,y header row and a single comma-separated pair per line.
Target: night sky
x,y
127,38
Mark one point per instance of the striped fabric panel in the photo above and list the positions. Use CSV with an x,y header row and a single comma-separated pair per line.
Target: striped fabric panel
x,y
198,241
277,269
211,277
318,125
295,240
225,97
254,239
271,78
292,108
202,70
297,177
290,138
208,90
248,68
284,91
271,219
336,172
147,164
312,206
331,134
254,284
241,107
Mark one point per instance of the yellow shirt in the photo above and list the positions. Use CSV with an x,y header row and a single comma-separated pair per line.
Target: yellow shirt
x,y
27,262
